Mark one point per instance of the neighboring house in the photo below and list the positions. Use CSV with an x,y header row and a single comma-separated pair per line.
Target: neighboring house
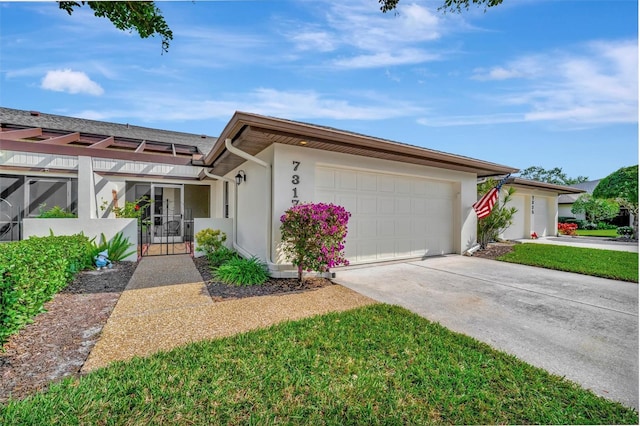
x,y
537,207
405,201
565,201
565,204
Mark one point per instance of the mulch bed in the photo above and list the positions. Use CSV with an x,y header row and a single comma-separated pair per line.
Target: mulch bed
x,y
495,250
58,342
273,286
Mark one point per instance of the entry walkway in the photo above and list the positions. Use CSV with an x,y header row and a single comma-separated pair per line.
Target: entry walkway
x,y
166,304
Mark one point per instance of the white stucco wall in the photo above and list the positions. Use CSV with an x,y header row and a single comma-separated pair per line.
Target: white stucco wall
x,y
224,225
253,208
92,228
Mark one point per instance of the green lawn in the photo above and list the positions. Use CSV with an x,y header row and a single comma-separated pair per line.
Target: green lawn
x,y
379,364
617,265
610,233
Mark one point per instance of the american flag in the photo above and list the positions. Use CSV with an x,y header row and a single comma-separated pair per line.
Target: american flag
x,y
485,204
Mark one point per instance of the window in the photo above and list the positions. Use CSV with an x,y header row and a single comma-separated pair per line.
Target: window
x,y
225,201
44,194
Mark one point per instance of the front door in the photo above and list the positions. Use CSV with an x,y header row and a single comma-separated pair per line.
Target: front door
x,y
166,215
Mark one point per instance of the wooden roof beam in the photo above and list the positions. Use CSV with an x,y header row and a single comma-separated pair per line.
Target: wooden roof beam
x,y
104,143
141,147
63,140
21,134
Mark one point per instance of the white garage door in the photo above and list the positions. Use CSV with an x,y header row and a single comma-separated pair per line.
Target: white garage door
x,y
541,216
517,229
392,217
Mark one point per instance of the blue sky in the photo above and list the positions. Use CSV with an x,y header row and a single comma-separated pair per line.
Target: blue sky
x,y
550,83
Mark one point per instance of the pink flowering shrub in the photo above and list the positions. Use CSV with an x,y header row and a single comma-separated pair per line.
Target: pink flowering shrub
x,y
314,236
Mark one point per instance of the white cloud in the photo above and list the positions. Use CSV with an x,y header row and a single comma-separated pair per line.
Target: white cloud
x,y
70,81
301,105
382,59
594,84
360,36
313,40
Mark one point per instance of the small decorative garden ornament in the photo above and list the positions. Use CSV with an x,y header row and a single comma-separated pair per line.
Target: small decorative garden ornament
x,y
102,260
534,236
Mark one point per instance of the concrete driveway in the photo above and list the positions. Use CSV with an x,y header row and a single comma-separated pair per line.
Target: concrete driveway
x,y
580,327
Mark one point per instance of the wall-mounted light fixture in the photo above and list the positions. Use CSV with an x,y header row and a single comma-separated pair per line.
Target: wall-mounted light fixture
x,y
241,177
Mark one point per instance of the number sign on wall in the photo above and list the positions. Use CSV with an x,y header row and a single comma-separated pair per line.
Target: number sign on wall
x,y
295,180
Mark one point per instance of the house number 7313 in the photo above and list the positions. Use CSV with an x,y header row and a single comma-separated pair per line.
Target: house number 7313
x,y
295,179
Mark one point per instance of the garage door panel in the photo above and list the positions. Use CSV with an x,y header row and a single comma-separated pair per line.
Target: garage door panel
x,y
367,182
325,179
386,228
403,206
386,184
347,180
367,228
392,216
367,205
402,228
419,226
386,205
403,248
419,247
367,252
418,206
403,186
326,196
386,249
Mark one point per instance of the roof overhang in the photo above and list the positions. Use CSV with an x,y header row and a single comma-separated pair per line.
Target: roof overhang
x,y
253,133
44,141
534,184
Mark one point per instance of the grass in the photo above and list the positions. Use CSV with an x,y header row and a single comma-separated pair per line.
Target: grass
x,y
610,233
617,265
379,364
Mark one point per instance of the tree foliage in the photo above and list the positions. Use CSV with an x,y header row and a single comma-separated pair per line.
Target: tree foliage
x,y
500,218
555,175
622,186
595,209
140,16
448,5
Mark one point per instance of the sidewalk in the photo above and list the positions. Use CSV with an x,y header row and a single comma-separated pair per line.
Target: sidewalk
x,y
166,304
586,242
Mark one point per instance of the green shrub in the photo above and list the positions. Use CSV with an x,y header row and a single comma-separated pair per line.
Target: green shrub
x,y
567,219
55,212
209,240
32,271
220,257
625,231
605,225
116,247
239,271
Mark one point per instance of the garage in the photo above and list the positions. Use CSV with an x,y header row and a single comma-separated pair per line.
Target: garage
x,y
393,216
517,229
536,206
543,224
